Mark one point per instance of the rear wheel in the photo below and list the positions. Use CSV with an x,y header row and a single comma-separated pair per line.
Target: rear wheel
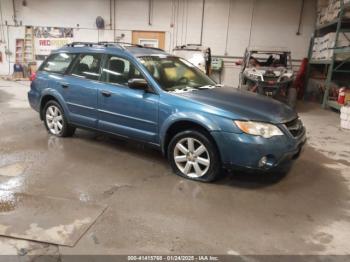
x,y
55,120
193,155
292,97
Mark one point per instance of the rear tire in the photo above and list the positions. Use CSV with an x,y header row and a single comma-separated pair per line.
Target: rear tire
x,y
292,97
55,121
193,155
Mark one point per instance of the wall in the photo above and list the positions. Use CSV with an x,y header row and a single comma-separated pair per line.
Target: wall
x,y
229,25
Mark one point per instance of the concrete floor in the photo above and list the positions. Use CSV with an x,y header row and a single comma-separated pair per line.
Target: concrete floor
x,y
152,211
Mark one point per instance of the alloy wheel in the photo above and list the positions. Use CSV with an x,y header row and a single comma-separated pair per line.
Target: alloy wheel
x,y
191,157
54,120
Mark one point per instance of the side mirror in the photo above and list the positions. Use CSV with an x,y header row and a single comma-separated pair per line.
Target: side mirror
x,y
137,83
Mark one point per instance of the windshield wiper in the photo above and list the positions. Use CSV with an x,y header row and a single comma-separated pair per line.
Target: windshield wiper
x,y
182,90
210,86
191,88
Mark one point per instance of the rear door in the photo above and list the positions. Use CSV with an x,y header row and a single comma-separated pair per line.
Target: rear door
x,y
79,89
122,110
52,71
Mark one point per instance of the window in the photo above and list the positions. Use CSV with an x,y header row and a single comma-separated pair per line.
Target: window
x,y
173,73
87,66
57,63
118,71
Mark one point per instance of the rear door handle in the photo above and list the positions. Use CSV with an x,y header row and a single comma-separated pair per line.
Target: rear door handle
x,y
105,93
64,85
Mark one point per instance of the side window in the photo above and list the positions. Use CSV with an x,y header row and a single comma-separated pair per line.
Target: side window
x,y
118,71
57,63
87,66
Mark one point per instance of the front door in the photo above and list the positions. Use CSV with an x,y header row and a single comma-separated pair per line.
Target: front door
x,y
122,110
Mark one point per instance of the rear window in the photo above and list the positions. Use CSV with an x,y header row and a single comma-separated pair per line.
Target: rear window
x,y
57,63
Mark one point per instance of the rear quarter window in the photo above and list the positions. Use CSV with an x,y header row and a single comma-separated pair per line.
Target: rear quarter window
x,y
57,63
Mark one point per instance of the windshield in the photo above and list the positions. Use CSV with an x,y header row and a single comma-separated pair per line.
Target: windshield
x,y
269,59
174,73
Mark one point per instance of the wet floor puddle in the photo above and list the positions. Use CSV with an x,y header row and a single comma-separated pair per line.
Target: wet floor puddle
x,y
45,219
12,170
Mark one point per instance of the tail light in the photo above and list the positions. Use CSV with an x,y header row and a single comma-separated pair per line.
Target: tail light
x,y
32,76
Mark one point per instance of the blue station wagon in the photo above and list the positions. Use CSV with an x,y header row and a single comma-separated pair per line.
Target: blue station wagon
x,y
148,95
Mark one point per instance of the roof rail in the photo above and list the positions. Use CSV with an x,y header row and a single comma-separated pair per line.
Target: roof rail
x,y
109,44
80,43
103,43
120,44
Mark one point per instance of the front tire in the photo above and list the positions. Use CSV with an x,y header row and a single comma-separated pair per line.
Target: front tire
x,y
55,120
193,155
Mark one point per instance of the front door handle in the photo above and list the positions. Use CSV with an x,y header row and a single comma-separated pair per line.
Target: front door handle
x,y
106,93
64,85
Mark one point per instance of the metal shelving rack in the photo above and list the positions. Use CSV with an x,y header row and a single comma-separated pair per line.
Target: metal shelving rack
x,y
29,45
334,65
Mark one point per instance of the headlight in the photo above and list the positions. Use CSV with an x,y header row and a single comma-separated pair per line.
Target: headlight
x,y
259,129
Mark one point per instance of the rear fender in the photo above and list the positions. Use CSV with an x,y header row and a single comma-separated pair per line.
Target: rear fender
x,y
58,97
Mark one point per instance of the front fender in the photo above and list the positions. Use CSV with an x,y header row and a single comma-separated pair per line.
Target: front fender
x,y
54,93
208,122
191,117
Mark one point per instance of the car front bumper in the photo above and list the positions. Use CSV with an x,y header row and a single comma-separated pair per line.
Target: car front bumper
x,y
243,151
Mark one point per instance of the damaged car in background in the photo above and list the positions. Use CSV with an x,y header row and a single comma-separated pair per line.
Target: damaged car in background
x,y
269,72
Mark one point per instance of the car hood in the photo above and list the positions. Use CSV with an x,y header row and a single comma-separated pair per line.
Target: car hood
x,y
243,105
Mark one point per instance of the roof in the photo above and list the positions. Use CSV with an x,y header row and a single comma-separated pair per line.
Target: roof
x,y
145,51
267,49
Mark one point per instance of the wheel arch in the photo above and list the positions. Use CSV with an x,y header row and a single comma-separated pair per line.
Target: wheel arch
x,y
52,95
181,125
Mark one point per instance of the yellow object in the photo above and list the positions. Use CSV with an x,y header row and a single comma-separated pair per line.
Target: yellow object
x,y
347,95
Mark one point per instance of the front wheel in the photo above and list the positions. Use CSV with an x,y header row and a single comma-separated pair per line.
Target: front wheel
x,y
193,155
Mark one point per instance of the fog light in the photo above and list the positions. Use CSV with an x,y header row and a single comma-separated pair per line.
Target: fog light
x,y
267,161
263,161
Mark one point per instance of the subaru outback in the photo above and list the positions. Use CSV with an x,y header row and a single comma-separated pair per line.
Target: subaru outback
x,y
148,95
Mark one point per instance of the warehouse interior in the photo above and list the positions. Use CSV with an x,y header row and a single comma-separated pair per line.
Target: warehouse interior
x,y
106,197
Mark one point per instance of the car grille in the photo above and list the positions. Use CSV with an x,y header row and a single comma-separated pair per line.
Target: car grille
x,y
295,127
